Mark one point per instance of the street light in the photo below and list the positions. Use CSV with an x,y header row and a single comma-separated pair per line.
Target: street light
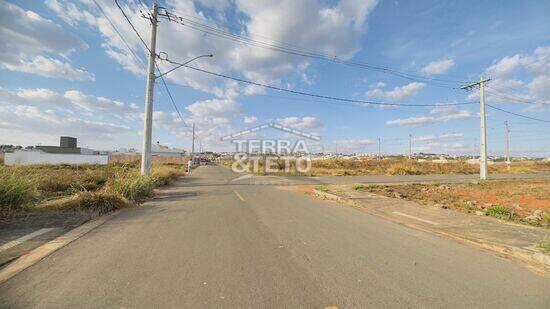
x,y
182,64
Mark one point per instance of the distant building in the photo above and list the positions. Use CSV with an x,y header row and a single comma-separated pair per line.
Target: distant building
x,y
66,145
67,153
165,151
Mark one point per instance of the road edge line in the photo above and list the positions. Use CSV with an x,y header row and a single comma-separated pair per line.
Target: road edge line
x,y
41,252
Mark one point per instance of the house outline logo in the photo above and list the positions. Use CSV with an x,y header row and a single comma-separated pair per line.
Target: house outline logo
x,y
275,126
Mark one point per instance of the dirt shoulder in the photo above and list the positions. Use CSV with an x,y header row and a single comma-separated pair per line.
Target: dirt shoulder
x,y
525,201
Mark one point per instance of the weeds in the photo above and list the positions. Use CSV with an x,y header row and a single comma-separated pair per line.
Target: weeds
x,y
322,188
545,246
94,187
15,193
500,212
95,202
396,166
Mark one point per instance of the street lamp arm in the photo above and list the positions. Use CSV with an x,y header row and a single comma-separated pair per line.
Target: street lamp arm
x,y
182,64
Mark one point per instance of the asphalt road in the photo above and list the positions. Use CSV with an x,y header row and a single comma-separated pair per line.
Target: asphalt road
x,y
208,244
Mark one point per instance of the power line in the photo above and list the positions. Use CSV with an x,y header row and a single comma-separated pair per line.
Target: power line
x,y
311,94
119,34
132,25
156,65
516,114
300,51
171,97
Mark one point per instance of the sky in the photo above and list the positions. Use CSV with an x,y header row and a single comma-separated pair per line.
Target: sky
x,y
78,68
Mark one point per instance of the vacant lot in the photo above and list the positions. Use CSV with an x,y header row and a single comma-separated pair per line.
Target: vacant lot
x,y
397,166
526,201
95,188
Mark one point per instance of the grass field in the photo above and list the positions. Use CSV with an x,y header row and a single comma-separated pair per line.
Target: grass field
x,y
526,201
398,166
97,188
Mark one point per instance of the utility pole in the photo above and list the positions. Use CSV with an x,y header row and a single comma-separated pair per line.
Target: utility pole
x,y
379,153
483,126
148,121
410,146
507,132
193,144
336,149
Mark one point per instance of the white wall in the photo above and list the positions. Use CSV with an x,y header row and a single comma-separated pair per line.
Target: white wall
x,y
38,157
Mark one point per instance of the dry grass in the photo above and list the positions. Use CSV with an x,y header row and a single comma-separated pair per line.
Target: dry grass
x,y
136,159
23,188
396,166
506,200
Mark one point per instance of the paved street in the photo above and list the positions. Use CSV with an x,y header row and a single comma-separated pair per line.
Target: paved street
x,y
210,242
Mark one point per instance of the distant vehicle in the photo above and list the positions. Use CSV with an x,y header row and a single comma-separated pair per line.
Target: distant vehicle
x,y
204,161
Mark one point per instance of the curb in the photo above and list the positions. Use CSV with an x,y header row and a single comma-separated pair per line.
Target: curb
x,y
535,260
37,254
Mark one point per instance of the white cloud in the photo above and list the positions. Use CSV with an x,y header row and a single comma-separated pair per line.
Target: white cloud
x,y
36,121
431,138
334,29
49,67
73,101
413,121
438,67
300,123
505,66
29,40
397,93
509,85
250,119
377,85
215,112
437,114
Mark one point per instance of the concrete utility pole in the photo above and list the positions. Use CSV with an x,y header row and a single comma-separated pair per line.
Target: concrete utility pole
x,y
483,126
410,146
193,143
379,153
148,121
507,132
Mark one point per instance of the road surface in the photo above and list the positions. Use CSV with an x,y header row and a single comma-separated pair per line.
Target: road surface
x,y
211,243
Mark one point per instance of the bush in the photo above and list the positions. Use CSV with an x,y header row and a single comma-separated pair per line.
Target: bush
x,y
500,212
15,192
96,202
402,170
74,186
164,176
130,185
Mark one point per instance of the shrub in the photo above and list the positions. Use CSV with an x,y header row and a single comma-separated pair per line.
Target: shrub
x,y
131,186
403,170
545,246
15,192
96,202
322,188
500,212
164,175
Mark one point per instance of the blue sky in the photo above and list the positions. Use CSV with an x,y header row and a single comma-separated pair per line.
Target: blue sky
x,y
65,71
